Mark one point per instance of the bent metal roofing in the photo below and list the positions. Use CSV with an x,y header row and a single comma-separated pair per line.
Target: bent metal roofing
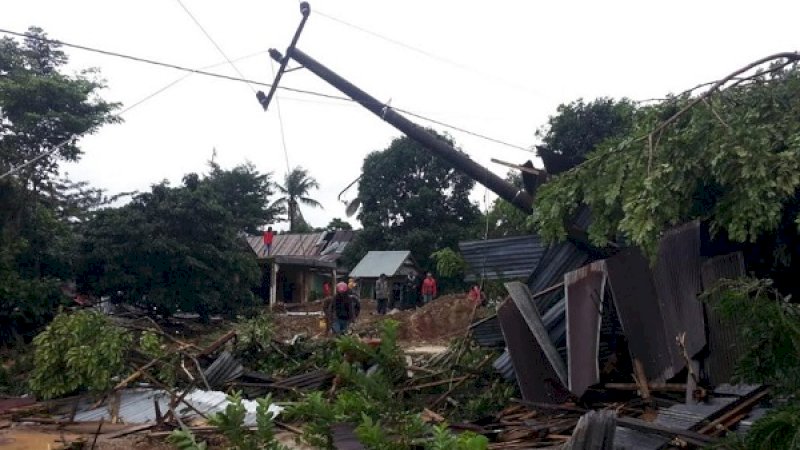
x,y
321,249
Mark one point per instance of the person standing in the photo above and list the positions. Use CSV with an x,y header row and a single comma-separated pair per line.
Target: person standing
x,y
475,295
326,290
268,237
428,288
382,293
411,292
343,310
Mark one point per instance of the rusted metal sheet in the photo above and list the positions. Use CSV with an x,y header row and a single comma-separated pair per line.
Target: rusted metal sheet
x,y
640,313
723,340
537,380
585,289
524,300
676,276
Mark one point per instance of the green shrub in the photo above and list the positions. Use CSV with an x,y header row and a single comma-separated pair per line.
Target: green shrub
x,y
78,351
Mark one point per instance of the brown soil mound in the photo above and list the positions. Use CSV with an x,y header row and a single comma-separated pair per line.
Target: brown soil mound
x,y
442,319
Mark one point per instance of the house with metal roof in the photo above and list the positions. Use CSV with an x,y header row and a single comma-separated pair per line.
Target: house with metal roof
x,y
397,265
299,263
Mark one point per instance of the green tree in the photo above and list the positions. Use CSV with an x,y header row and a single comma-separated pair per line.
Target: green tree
x,y
412,200
578,127
43,114
180,247
338,224
730,158
505,219
295,189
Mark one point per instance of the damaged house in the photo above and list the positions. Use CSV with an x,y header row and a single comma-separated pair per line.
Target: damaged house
x,y
299,263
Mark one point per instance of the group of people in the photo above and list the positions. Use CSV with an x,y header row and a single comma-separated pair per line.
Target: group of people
x,y
344,306
416,292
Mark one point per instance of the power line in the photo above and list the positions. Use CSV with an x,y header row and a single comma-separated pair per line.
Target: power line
x,y
280,122
158,91
246,80
219,49
428,54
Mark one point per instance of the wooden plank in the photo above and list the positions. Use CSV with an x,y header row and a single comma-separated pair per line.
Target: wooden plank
x,y
524,301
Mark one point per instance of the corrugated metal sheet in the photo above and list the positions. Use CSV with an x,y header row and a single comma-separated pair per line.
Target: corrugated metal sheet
x,y
554,322
524,300
391,263
557,260
585,289
225,368
536,377
308,244
487,333
504,366
502,259
723,339
627,439
639,312
692,417
137,406
676,276
595,430
310,249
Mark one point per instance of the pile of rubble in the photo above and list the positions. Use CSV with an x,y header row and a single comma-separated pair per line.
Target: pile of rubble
x,y
606,353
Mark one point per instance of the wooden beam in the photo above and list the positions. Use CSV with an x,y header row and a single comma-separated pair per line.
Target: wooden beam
x,y
529,170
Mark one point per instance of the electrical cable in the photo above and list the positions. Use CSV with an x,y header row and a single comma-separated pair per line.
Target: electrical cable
x,y
213,42
250,81
280,122
158,91
429,54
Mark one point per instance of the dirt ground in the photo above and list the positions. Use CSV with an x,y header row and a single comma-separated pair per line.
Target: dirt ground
x,y
441,320
34,438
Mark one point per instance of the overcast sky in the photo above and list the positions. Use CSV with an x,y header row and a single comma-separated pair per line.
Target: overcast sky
x,y
498,68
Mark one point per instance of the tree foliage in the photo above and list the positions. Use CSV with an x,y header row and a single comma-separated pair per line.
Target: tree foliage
x,y
733,159
78,351
338,224
412,200
41,107
578,127
180,247
294,191
768,326
504,219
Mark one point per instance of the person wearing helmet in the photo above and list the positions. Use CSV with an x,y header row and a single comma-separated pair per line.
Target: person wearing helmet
x,y
343,310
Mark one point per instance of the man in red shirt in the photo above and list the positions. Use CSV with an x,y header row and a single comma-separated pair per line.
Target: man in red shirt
x,y
428,288
268,236
326,289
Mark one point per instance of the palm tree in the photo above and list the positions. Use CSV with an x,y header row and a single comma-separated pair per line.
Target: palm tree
x,y
295,188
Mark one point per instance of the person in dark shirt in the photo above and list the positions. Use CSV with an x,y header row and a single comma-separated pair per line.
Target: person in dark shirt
x,y
382,293
343,309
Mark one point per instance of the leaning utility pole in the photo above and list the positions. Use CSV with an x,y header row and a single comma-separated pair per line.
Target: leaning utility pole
x,y
518,197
